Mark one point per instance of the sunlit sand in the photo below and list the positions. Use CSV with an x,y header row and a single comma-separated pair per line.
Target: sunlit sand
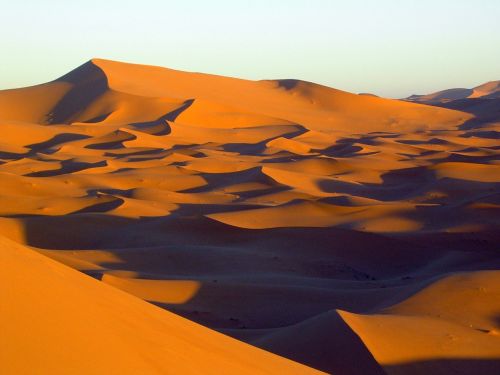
x,y
155,221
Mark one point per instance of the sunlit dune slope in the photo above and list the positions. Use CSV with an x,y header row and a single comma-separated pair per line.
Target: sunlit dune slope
x,y
57,321
449,327
110,91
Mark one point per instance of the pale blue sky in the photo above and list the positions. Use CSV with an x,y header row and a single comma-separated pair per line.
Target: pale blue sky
x,y
389,47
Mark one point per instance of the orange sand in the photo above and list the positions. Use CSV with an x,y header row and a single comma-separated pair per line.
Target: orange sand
x,y
351,233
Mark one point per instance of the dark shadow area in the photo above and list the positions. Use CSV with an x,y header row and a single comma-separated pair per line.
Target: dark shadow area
x,y
220,180
486,110
67,166
11,155
112,145
56,141
288,84
396,185
455,366
340,150
324,342
456,157
172,116
349,147
152,152
89,82
162,121
432,141
489,134
101,207
157,127
259,147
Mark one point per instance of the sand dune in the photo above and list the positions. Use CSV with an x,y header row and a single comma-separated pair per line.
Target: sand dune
x,y
351,233
489,90
81,326
454,318
482,101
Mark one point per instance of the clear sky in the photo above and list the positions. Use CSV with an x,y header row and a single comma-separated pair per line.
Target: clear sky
x,y
392,48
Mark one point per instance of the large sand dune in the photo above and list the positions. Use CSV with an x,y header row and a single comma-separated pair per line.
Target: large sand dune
x,y
351,233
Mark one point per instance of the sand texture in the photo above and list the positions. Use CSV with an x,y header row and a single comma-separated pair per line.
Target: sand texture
x,y
154,221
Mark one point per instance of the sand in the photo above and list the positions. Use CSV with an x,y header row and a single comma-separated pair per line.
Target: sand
x,y
147,214
486,90
58,321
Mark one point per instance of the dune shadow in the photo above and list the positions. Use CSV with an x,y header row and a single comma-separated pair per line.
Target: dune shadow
x,y
151,152
89,82
337,349
11,156
55,141
172,116
396,185
458,366
287,84
67,166
259,147
489,134
100,207
485,110
163,120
